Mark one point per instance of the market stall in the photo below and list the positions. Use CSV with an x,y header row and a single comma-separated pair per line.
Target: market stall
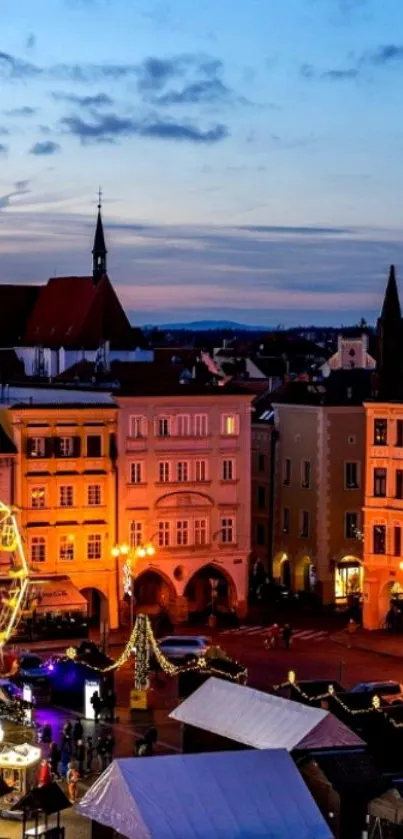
x,y
19,766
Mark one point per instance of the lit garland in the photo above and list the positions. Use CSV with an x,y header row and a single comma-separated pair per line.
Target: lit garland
x,y
12,606
141,640
142,662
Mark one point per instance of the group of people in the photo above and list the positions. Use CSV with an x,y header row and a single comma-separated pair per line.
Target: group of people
x,y
275,633
104,707
76,757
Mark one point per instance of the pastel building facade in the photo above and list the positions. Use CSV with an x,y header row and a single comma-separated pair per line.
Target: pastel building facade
x,y
64,486
184,488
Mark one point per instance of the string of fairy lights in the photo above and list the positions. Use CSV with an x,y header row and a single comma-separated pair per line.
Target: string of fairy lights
x,y
18,574
142,642
375,707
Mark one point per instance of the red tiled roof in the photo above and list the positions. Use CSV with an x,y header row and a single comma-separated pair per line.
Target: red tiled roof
x,y
16,304
75,313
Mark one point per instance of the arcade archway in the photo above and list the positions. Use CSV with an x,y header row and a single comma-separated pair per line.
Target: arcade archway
x,y
98,609
153,592
348,579
210,589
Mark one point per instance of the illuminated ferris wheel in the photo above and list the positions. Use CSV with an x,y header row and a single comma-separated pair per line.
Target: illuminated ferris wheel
x,y
13,600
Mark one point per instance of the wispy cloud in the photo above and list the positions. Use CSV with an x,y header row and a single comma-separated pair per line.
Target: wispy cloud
x,y
44,148
382,55
3,149
20,188
97,100
110,127
24,111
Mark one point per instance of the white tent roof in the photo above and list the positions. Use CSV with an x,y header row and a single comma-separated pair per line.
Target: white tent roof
x,y
224,795
260,720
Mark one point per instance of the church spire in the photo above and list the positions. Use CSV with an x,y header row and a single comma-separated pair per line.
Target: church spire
x,y
390,344
99,250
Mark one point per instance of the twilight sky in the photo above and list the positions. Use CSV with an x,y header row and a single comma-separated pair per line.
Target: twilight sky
x,y
249,152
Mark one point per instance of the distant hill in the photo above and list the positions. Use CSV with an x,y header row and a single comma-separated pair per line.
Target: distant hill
x,y
208,325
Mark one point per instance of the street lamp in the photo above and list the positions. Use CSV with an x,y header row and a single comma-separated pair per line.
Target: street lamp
x,y
131,554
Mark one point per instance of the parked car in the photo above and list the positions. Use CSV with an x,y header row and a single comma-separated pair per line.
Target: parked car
x,y
184,648
389,691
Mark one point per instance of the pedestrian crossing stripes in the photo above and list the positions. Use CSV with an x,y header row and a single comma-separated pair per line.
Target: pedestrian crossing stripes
x,y
298,634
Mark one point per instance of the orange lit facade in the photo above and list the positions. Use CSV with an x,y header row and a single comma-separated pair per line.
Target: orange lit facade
x,y
65,486
383,510
184,488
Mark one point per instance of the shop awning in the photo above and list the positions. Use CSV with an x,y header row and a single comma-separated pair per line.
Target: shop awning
x,y
57,595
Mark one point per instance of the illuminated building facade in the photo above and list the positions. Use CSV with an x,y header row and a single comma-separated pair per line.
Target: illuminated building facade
x,y
319,489
184,488
65,487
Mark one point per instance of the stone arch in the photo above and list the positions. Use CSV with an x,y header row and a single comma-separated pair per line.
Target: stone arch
x,y
281,563
203,596
98,606
304,573
153,591
386,595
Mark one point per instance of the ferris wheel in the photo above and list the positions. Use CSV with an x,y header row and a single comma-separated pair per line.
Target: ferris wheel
x,y
17,574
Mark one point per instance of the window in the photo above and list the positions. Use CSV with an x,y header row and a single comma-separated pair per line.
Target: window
x,y
380,432
260,534
200,425
261,498
164,534
94,495
38,497
399,433
351,525
37,446
379,538
200,532
399,483
136,472
136,534
182,471
351,476
227,470
304,532
164,471
287,472
94,445
38,549
182,532
66,446
66,496
138,426
227,530
163,426
200,470
261,462
94,546
286,519
229,424
397,540
183,425
66,548
380,483
306,474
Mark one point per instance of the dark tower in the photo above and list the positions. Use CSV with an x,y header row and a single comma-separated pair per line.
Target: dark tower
x,y
99,250
390,344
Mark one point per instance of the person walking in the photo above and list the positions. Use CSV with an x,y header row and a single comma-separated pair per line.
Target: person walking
x,y
78,733
67,729
72,779
287,635
96,703
65,759
44,774
47,734
54,757
111,705
90,754
109,748
80,756
101,754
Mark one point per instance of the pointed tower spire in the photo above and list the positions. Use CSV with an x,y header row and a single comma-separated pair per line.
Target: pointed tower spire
x,y
99,250
391,303
390,344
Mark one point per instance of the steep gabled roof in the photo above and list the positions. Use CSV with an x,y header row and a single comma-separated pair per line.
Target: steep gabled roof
x,y
16,304
391,303
75,313
6,444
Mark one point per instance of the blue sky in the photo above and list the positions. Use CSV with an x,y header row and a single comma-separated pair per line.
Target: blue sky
x,y
249,152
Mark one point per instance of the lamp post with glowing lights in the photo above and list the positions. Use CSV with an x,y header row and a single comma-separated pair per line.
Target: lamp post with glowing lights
x,y
131,555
